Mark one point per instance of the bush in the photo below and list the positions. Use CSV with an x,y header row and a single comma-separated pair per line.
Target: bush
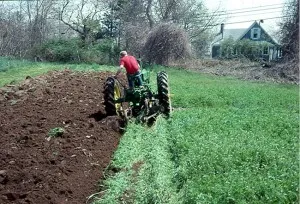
x,y
243,48
72,50
166,43
59,51
108,51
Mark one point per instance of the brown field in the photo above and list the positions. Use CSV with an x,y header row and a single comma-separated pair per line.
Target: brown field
x,y
36,168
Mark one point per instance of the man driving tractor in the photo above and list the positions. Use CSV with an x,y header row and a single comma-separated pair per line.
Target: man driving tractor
x,y
132,68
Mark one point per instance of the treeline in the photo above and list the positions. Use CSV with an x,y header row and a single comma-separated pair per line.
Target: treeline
x,y
96,30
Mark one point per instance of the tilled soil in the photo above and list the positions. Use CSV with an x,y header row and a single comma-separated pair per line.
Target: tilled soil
x,y
36,168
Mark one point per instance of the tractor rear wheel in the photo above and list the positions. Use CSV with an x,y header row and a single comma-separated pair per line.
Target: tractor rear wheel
x,y
112,92
163,93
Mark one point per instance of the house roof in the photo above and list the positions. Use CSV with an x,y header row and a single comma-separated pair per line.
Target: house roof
x,y
247,29
236,34
233,33
272,38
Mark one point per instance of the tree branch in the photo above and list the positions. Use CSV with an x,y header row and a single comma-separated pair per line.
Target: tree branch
x,y
66,23
148,13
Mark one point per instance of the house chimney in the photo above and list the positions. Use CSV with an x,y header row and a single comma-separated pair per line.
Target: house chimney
x,y
222,29
260,21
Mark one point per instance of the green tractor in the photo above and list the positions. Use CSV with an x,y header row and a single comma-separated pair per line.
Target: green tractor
x,y
138,102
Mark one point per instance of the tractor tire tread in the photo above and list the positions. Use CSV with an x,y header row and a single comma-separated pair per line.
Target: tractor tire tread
x,y
163,92
109,97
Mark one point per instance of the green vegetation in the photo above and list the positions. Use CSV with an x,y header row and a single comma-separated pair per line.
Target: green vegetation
x,y
228,141
13,71
244,48
56,132
74,50
7,63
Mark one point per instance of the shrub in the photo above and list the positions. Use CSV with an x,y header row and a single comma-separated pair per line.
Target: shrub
x,y
72,50
242,48
166,43
59,51
108,51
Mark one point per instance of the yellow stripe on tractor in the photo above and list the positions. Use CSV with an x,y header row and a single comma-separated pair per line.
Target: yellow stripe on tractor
x,y
117,95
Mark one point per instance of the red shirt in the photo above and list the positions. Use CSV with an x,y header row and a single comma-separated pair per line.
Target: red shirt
x,y
130,63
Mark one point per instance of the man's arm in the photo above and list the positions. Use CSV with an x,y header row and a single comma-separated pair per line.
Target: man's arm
x,y
119,70
138,62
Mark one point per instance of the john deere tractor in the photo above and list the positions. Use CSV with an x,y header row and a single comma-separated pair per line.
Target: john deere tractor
x,y
139,102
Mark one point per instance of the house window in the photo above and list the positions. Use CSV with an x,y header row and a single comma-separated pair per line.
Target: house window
x,y
266,51
255,33
279,53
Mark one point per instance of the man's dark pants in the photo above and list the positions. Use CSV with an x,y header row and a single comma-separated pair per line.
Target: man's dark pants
x,y
131,78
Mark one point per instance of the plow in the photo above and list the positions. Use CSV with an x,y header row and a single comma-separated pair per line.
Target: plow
x,y
139,102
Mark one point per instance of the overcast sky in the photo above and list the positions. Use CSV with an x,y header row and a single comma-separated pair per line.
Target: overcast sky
x,y
245,10
249,10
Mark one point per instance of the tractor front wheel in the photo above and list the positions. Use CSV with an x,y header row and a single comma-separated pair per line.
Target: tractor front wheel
x,y
164,93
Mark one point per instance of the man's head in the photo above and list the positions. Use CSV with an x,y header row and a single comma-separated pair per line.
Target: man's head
x,y
123,53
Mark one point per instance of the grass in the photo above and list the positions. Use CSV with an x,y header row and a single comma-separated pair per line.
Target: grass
x,y
12,70
228,141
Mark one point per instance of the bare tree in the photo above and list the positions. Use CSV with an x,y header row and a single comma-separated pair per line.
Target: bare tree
x,y
83,18
133,25
37,14
125,23
190,15
13,41
194,18
167,7
25,25
290,31
149,14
